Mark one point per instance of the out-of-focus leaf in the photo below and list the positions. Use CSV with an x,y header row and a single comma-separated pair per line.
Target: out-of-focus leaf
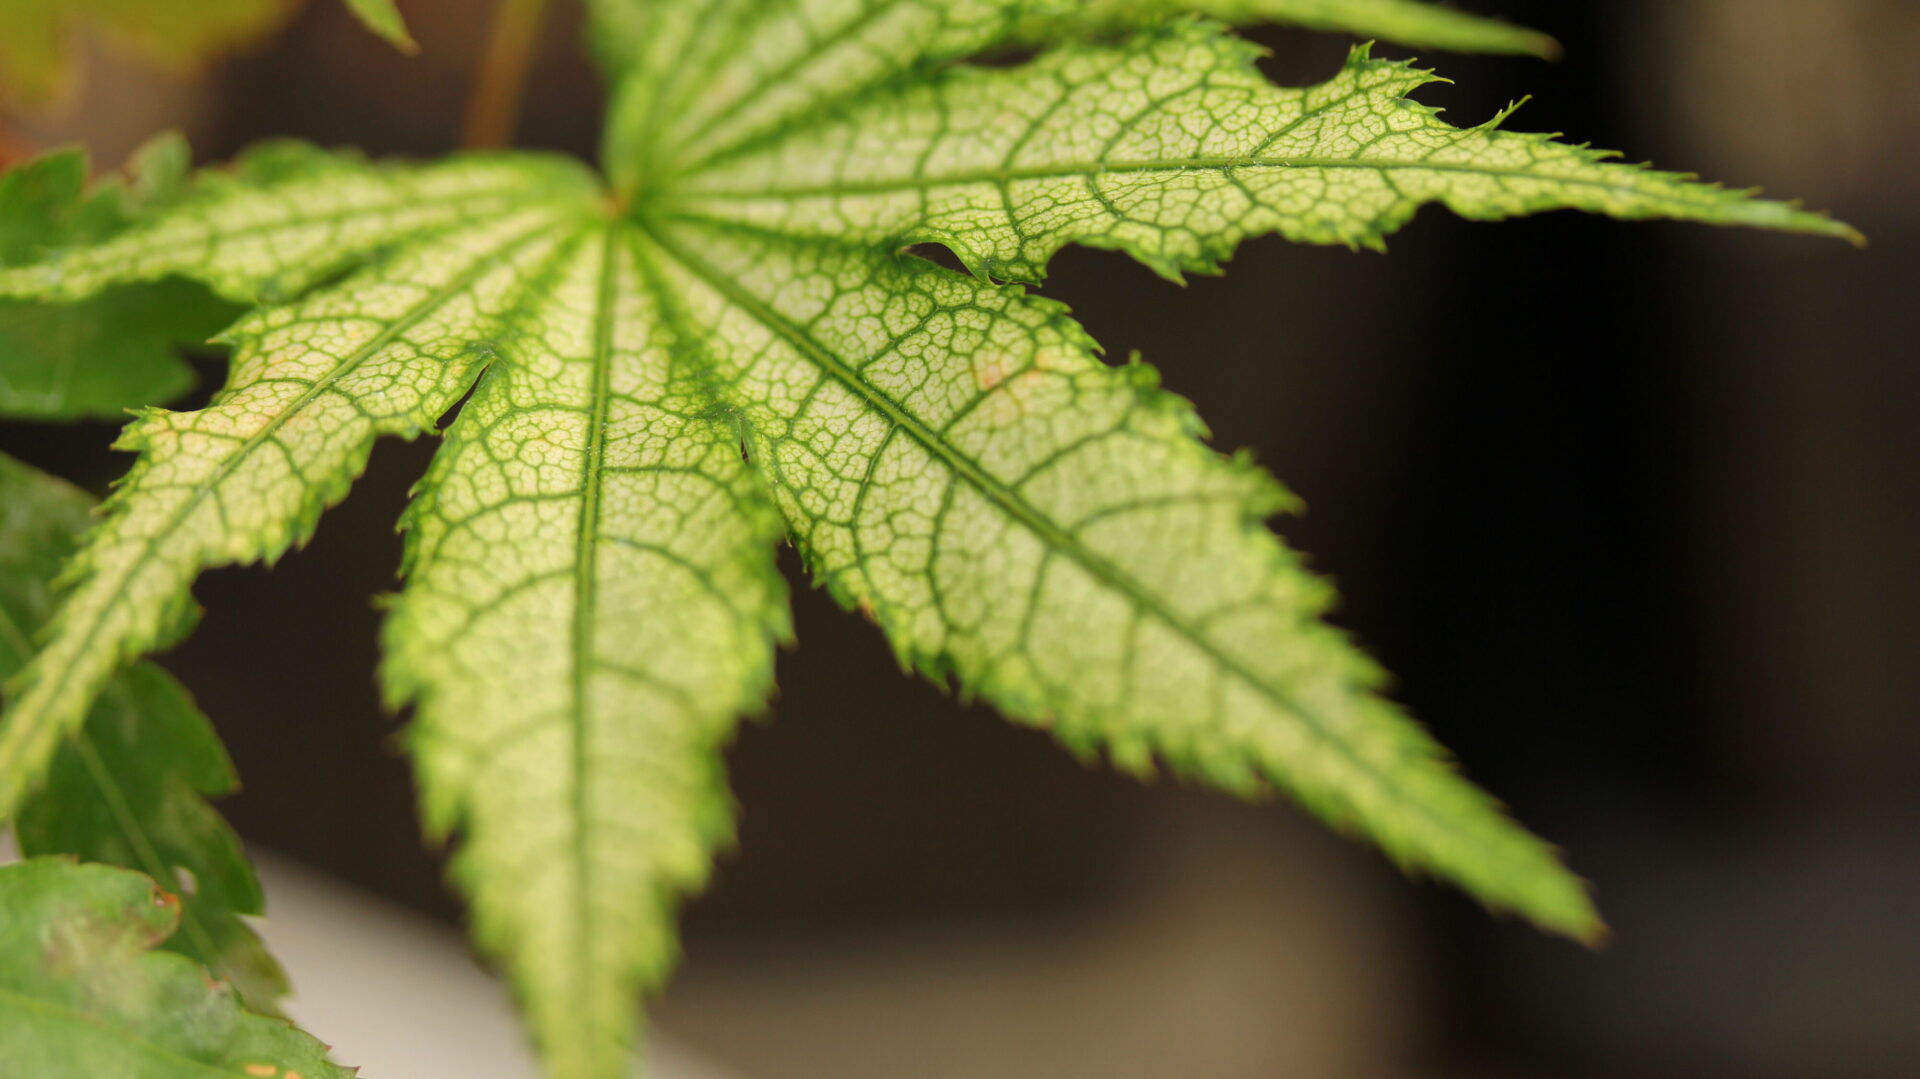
x,y
83,995
115,351
36,36
384,19
131,788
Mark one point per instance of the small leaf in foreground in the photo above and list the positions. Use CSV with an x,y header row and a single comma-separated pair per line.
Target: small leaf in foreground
x,y
83,995
130,788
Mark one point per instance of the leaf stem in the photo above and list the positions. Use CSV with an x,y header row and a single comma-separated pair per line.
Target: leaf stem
x,y
493,112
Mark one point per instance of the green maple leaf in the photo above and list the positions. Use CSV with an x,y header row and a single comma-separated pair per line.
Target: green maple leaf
x,y
130,787
726,341
82,994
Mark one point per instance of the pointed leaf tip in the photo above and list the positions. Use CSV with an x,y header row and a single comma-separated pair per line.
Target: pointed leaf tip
x,y
381,17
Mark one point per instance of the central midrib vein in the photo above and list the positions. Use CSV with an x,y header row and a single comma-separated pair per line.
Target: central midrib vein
x,y
585,597
1076,170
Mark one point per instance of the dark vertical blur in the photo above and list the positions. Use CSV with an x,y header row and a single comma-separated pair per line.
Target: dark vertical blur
x,y
1630,509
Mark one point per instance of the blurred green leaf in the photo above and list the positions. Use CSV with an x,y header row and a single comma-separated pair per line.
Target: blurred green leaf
x,y
129,789
384,19
115,351
82,994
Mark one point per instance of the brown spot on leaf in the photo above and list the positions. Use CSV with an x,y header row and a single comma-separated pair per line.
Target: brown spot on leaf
x,y
990,371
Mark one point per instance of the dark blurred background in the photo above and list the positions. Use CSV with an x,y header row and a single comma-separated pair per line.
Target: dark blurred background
x,y
1630,509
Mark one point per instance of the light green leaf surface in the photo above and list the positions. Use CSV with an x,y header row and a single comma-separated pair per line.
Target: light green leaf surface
x,y
957,463
130,789
381,17
702,74
1421,24
1173,148
699,73
83,994
287,217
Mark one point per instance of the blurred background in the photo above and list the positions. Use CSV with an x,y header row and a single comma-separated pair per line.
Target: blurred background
x,y
1631,510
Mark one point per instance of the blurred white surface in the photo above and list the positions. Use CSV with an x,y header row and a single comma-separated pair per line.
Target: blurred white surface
x,y
398,995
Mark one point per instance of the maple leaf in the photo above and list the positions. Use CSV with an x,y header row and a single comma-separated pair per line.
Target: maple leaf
x,y
725,340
